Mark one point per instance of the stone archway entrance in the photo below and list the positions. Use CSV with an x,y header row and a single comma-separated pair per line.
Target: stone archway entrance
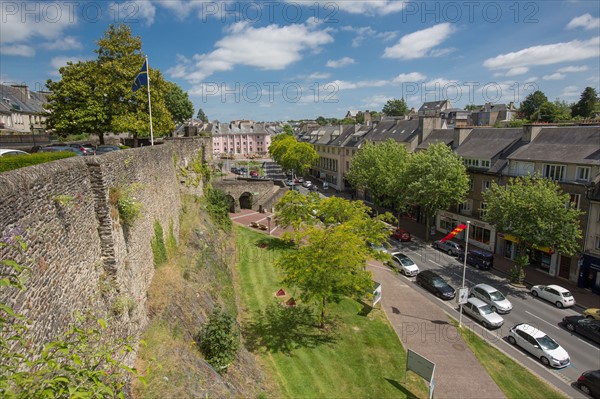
x,y
246,200
231,203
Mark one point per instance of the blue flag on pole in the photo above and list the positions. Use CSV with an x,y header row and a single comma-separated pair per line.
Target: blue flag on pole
x,y
141,78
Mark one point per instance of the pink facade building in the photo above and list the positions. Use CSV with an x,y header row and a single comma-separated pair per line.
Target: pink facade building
x,y
242,138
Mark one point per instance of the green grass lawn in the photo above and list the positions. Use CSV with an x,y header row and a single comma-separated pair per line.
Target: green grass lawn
x,y
357,356
514,380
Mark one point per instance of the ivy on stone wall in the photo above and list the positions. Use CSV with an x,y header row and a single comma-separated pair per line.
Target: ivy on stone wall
x,y
196,171
159,250
129,209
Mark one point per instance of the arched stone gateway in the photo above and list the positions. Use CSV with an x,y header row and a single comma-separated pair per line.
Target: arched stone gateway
x,y
246,200
231,203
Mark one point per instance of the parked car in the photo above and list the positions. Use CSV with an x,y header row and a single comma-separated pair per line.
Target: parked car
x,y
433,283
592,313
5,152
401,235
84,149
254,173
313,188
65,148
307,183
479,258
539,345
451,247
104,148
404,264
492,297
299,180
483,313
589,328
589,383
556,294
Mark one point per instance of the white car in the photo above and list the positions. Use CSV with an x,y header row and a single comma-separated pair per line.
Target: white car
x,y
492,297
539,345
556,294
5,152
404,264
483,313
307,183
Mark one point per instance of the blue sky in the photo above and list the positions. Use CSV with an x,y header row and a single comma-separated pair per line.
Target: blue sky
x,y
280,60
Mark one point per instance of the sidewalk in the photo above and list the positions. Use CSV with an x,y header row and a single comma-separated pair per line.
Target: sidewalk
x,y
422,326
584,298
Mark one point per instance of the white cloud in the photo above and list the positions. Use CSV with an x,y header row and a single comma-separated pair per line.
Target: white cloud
x,y
319,75
409,77
269,48
15,30
517,71
342,62
585,21
572,68
368,7
570,91
58,62
376,101
21,50
554,76
574,50
65,43
136,11
365,32
360,84
183,9
421,43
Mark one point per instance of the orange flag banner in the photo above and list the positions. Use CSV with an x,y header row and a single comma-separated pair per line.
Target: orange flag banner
x,y
454,232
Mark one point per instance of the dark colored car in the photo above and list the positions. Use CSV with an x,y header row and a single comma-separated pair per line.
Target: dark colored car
x,y
479,258
65,148
104,148
87,150
313,187
586,327
589,383
433,283
401,235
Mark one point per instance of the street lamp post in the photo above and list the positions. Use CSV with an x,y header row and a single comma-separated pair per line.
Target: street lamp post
x,y
464,271
269,223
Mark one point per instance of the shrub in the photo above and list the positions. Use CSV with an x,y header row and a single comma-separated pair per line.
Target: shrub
x,y
219,340
21,161
159,250
218,208
129,208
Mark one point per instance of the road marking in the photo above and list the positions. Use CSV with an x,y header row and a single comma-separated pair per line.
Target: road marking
x,y
539,318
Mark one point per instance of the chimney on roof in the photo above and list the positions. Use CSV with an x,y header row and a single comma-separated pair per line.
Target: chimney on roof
x,y
24,89
530,131
460,134
427,123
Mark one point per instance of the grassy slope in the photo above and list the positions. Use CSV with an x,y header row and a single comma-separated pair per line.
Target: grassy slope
x,y
514,380
359,356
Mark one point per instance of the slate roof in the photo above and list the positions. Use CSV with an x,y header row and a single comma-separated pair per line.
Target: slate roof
x,y
564,144
14,99
445,136
434,105
487,143
400,131
357,138
218,128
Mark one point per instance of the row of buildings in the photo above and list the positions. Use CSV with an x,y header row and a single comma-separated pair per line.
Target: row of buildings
x,y
21,110
569,155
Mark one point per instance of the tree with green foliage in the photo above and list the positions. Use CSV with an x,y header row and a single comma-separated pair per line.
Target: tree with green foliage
x,y
360,117
296,210
530,107
381,170
288,130
329,262
588,103
321,121
395,107
291,154
178,103
95,96
534,210
201,115
436,179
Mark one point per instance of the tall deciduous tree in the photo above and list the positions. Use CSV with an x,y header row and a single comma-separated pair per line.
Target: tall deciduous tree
x,y
395,107
537,212
530,107
587,104
291,154
329,263
287,129
178,103
201,115
437,178
360,117
381,170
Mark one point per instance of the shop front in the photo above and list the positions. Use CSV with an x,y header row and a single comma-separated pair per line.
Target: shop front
x,y
589,273
542,258
480,233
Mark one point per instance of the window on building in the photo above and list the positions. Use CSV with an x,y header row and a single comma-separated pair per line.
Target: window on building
x,y
471,183
554,172
480,234
482,210
447,223
466,207
347,165
575,200
485,185
597,243
582,173
485,163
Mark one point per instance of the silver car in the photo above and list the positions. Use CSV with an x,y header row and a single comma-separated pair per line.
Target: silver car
x,y
483,313
492,297
451,247
404,264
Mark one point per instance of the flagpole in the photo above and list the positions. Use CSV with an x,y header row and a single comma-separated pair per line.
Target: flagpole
x,y
149,103
464,270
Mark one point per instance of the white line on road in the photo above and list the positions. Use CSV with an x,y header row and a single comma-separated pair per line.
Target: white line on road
x,y
539,318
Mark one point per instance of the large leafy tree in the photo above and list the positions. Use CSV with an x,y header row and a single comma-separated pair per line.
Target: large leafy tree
x,y
329,262
291,154
436,179
587,104
395,107
381,170
201,115
536,211
530,107
178,103
103,87
287,129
